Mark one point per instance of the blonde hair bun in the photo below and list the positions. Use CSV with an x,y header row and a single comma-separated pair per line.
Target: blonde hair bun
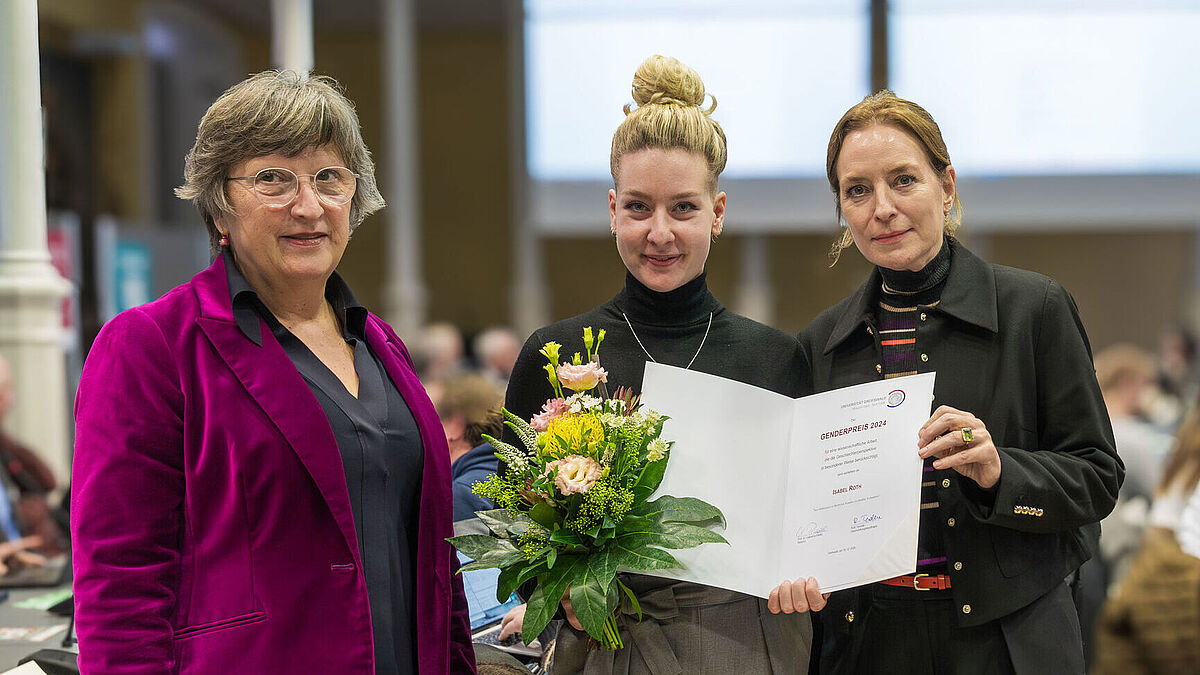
x,y
664,80
669,116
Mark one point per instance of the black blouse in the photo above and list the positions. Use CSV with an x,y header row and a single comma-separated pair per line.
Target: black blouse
x,y
382,456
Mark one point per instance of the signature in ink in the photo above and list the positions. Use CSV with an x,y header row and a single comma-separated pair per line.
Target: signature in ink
x,y
810,530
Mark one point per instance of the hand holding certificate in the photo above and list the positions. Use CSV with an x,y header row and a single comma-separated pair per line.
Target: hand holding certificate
x,y
826,486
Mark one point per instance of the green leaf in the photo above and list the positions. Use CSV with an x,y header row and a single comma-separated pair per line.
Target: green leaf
x,y
551,556
508,582
475,546
608,531
544,514
531,572
649,481
679,509
603,564
499,559
632,523
647,558
545,599
592,603
633,601
500,521
672,535
563,536
522,429
538,611
688,532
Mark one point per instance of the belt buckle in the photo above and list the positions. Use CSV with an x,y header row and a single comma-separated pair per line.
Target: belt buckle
x,y
917,577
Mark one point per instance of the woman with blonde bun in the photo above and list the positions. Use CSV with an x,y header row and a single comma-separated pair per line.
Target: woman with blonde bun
x,y
665,211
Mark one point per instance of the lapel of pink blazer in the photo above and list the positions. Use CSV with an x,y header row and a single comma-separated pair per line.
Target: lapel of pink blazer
x,y
277,387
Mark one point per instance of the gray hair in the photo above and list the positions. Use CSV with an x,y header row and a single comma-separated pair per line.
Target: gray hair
x,y
275,112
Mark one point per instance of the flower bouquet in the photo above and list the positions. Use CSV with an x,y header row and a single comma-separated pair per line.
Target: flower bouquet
x,y
574,504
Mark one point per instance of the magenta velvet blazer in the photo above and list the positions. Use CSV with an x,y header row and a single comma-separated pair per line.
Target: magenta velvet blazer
x,y
211,522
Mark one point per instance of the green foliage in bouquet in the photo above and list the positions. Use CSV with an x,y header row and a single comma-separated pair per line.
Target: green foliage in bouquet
x,y
574,505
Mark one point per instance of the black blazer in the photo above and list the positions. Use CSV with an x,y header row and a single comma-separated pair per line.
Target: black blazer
x,y
1008,346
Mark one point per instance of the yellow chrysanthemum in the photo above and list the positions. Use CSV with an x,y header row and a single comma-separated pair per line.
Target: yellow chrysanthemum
x,y
573,435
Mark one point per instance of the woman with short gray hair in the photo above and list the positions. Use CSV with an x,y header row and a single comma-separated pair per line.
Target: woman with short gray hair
x,y
260,482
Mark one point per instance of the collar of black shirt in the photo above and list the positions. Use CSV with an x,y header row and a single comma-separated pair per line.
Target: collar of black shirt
x,y
248,307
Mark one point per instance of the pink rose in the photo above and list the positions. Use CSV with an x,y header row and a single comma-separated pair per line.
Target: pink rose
x,y
552,409
574,473
581,378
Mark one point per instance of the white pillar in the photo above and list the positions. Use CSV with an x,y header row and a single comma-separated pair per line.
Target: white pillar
x,y
292,35
405,293
31,290
754,296
529,299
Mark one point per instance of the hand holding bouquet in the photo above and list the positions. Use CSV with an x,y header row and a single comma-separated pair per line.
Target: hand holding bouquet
x,y
574,504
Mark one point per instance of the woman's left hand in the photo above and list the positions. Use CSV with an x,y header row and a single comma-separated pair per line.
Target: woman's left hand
x,y
942,436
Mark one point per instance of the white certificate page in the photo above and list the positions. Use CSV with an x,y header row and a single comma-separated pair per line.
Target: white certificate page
x,y
826,486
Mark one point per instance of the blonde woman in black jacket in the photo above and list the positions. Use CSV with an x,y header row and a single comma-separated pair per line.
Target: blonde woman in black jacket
x,y
1020,463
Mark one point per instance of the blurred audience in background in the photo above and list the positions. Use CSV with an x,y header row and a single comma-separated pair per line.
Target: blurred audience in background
x,y
1178,377
496,350
1151,621
1127,377
1130,381
438,351
469,406
25,481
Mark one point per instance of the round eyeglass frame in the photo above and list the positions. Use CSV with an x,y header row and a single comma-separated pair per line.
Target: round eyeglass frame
x,y
312,177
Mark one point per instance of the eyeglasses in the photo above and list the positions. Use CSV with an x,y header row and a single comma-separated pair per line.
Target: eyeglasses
x,y
334,185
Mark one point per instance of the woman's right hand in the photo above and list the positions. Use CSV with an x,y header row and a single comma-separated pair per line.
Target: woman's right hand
x,y
801,595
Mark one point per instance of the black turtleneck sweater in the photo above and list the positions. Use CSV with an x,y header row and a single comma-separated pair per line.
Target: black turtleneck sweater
x,y
671,327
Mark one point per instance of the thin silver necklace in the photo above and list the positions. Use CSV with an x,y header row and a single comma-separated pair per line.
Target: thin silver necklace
x,y
639,340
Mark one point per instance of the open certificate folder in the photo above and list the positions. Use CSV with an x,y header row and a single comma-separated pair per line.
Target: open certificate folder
x,y
826,486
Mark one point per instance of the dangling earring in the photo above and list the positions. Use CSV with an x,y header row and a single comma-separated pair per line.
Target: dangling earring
x,y
223,242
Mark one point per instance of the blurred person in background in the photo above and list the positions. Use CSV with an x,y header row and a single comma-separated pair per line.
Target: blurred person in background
x,y
468,405
665,210
496,351
1180,476
1178,377
25,481
1020,463
1127,378
1128,381
260,482
439,351
1127,375
1151,622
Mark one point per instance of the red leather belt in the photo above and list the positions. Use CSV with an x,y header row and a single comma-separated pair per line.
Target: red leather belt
x,y
920,582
